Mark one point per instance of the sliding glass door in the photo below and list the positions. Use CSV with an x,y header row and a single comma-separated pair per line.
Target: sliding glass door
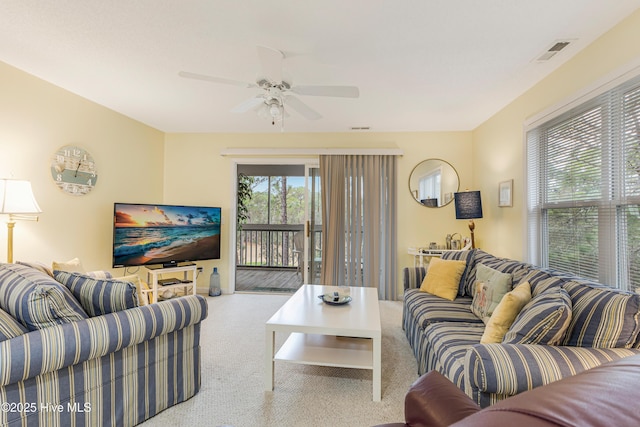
x,y
279,236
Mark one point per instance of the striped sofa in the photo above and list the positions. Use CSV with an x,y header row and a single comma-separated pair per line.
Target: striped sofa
x,y
445,335
114,369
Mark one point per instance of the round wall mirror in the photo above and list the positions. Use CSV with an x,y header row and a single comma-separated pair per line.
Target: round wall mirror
x,y
432,183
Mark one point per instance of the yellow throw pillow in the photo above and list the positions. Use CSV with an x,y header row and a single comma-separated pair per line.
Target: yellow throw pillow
x,y
505,313
443,278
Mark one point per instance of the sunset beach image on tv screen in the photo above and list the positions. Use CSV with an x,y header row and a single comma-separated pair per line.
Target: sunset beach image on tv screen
x,y
161,234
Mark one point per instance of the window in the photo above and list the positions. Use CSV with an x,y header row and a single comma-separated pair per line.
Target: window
x,y
584,189
429,186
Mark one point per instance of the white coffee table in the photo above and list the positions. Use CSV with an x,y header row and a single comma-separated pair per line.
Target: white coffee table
x,y
327,335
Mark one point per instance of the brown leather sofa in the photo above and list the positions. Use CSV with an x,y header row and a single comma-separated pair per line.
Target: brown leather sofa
x,y
608,395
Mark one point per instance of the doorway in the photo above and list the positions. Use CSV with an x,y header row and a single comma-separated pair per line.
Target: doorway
x,y
278,240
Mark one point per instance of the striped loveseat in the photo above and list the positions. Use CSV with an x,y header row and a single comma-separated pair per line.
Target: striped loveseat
x,y
600,324
61,367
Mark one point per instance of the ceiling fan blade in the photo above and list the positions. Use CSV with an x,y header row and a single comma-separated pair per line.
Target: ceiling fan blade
x,y
195,76
248,105
271,62
302,108
337,91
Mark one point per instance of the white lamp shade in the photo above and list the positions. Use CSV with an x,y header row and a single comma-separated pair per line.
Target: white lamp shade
x,y
16,197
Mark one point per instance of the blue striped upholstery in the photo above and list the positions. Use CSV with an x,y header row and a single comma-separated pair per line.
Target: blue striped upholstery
x,y
468,257
422,309
602,317
125,366
446,345
541,280
412,277
426,308
99,296
9,327
544,320
517,268
36,300
414,333
445,335
496,371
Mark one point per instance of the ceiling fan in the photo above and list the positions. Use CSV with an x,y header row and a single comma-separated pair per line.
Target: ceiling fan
x,y
277,92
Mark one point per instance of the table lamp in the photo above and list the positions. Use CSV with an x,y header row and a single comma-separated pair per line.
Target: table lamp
x,y
469,206
16,200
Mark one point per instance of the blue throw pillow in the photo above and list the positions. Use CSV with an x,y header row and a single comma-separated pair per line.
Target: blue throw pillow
x,y
544,320
36,300
99,296
603,317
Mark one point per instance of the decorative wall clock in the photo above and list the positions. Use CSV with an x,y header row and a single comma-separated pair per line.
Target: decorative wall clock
x,y
74,170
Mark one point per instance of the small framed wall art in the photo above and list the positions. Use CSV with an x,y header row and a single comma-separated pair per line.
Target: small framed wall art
x,y
505,193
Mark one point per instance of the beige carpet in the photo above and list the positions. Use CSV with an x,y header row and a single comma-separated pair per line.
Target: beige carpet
x,y
232,392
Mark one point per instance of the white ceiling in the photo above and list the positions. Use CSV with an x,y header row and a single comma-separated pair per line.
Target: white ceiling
x,y
420,65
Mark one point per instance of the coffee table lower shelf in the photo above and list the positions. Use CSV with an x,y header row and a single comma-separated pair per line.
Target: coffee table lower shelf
x,y
327,350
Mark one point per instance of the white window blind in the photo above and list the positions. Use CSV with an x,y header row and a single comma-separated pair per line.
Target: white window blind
x,y
429,185
584,189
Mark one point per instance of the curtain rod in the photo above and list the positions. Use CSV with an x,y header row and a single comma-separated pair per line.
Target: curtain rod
x,y
309,151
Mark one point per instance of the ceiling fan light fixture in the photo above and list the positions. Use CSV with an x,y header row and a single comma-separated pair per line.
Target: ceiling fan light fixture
x,y
274,110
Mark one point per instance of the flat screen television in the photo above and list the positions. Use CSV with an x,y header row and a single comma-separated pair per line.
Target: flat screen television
x,y
164,235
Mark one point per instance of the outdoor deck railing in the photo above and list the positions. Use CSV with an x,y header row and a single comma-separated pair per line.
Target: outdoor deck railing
x,y
270,245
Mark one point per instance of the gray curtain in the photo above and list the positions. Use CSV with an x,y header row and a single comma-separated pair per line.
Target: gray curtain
x,y
359,222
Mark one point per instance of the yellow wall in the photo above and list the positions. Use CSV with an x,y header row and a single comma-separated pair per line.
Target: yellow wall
x,y
499,142
136,163
139,164
208,177
37,119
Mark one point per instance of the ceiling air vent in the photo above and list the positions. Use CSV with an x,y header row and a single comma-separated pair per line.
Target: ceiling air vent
x,y
553,50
